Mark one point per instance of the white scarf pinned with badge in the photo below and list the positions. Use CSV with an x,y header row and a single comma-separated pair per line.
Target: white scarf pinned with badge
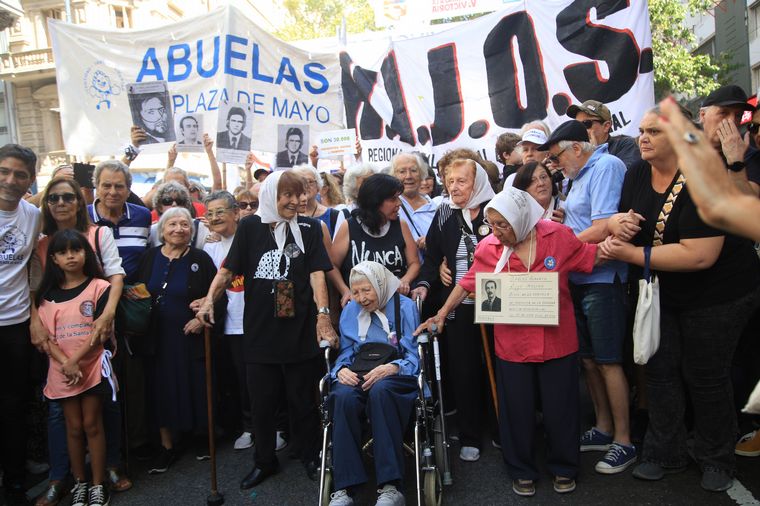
x,y
268,213
521,211
385,285
481,192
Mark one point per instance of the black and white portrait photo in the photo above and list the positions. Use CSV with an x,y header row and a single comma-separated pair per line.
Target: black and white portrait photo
x,y
189,131
293,140
233,137
491,289
151,110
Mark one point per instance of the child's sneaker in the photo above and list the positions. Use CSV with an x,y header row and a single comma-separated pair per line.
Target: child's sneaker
x,y
617,459
99,496
594,440
79,494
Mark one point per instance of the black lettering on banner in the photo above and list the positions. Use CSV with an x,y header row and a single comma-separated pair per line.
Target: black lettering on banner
x,y
448,121
357,86
501,69
616,47
400,122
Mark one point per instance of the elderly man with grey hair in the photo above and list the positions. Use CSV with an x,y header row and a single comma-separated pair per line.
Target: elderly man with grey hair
x,y
173,194
352,181
596,180
417,209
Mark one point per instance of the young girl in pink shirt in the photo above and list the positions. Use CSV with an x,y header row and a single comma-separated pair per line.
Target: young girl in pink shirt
x,y
71,296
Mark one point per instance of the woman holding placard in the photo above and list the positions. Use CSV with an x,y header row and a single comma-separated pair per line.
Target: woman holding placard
x,y
531,358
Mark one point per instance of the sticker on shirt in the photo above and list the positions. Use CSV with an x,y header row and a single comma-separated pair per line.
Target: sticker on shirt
x,y
87,308
194,267
393,339
550,263
292,250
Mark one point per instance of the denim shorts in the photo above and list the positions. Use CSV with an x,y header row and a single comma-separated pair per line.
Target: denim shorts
x,y
600,316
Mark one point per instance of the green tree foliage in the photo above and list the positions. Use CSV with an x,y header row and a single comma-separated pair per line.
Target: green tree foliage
x,y
676,69
313,19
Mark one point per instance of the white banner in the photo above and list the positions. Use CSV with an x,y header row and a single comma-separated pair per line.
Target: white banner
x,y
464,87
396,12
220,57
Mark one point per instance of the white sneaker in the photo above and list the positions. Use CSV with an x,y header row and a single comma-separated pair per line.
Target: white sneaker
x,y
390,496
341,498
281,443
244,441
469,454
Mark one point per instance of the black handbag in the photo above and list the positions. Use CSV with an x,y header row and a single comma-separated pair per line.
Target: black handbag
x,y
371,355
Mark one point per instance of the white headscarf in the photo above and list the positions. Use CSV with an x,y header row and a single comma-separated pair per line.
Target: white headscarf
x,y
481,192
385,285
521,211
268,213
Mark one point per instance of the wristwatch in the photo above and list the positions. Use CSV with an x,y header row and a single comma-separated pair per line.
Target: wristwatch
x,y
737,166
324,310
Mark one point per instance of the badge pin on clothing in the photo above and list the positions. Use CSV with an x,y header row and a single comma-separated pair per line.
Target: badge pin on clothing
x,y
484,230
194,267
292,251
550,263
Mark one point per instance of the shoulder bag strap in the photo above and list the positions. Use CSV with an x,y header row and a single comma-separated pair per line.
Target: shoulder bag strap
x,y
397,322
466,236
667,207
409,216
97,245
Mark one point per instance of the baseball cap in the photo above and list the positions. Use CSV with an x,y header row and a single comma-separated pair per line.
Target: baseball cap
x,y
591,107
259,172
572,130
533,135
728,96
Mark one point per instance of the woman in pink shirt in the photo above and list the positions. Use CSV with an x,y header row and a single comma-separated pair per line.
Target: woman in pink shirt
x,y
532,359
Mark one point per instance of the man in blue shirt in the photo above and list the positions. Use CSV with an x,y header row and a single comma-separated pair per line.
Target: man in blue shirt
x,y
596,179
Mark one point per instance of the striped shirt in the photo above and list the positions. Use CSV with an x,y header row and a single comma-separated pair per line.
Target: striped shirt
x,y
131,233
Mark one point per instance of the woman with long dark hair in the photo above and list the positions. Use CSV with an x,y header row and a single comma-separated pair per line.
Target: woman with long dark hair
x,y
536,179
374,232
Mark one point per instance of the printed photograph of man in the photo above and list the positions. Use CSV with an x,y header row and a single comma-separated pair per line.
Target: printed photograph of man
x,y
189,131
233,137
292,155
153,118
492,302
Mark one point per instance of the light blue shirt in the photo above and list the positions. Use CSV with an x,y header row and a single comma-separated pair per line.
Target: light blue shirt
x,y
408,364
418,220
595,195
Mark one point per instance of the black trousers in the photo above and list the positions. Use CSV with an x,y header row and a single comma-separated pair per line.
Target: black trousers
x,y
298,383
465,361
557,382
16,351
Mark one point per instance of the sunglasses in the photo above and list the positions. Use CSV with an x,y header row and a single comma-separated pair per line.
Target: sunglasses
x,y
245,205
167,201
555,158
68,198
588,123
753,128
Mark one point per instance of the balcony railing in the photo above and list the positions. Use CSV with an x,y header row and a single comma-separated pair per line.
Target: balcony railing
x,y
26,61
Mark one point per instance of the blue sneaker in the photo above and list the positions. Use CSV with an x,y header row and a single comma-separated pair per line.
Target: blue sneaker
x,y
617,459
594,440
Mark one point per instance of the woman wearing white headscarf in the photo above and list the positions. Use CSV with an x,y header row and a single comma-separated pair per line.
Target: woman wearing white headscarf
x,y
457,228
283,260
385,394
532,358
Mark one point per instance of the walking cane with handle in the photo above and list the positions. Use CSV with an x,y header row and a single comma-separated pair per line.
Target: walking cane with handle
x,y
215,498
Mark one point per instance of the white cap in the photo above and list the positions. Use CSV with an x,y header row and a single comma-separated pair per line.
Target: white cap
x,y
534,135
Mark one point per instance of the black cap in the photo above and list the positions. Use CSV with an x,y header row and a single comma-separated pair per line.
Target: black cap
x,y
259,172
572,130
728,96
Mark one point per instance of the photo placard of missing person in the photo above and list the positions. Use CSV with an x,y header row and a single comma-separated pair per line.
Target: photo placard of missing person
x,y
234,127
292,146
525,298
151,110
189,131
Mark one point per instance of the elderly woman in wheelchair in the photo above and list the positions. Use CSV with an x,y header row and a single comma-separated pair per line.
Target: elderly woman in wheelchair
x,y
374,377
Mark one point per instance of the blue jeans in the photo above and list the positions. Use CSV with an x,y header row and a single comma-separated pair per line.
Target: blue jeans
x,y
600,316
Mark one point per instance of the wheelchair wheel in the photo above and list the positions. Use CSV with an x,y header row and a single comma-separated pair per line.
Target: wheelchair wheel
x,y
433,490
327,490
438,442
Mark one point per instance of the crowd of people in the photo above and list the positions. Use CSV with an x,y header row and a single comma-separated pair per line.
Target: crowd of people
x,y
295,257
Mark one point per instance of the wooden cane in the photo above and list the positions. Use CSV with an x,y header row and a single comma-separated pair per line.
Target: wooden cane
x,y
215,498
489,366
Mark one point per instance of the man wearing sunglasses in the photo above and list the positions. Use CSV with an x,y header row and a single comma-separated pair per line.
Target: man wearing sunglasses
x,y
720,117
599,297
597,119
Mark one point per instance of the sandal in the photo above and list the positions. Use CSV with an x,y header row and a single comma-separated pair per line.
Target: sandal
x,y
117,481
55,491
524,488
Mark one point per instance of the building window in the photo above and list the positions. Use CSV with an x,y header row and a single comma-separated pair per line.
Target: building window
x,y
59,14
121,16
755,78
754,20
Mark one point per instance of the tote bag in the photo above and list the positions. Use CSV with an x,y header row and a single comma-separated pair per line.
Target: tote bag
x,y
646,325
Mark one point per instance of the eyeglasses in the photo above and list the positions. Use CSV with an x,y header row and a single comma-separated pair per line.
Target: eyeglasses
x,y
502,225
310,183
20,175
167,201
555,158
217,212
753,128
245,205
68,198
588,123
540,178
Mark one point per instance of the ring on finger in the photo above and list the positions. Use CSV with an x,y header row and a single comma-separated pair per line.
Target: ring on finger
x,y
690,137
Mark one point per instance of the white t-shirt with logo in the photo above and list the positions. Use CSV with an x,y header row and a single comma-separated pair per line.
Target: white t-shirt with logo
x,y
233,323
18,239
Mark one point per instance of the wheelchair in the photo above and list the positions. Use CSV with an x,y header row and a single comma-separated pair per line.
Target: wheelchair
x,y
429,444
